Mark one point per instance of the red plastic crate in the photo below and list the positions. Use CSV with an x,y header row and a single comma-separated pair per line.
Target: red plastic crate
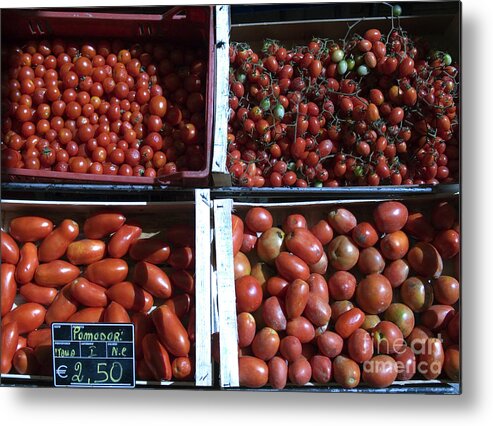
x,y
191,25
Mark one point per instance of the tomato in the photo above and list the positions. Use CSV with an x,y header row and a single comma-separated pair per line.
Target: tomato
x,y
107,272
56,273
301,328
28,316
170,331
153,279
387,338
346,372
278,372
238,228
305,245
437,317
330,344
342,253
380,371
292,267
446,290
451,363
425,260
10,338
394,245
242,265
430,359
300,372
364,234
447,243
130,296
56,243
8,287
419,226
396,272
30,228
116,313
253,372
100,225
246,329
258,219
88,294
270,244
390,216
265,344
348,322
24,361
248,294
374,294
156,357
370,261
28,262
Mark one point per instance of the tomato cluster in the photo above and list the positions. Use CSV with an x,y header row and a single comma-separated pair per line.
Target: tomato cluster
x,y
335,299
366,110
104,108
59,274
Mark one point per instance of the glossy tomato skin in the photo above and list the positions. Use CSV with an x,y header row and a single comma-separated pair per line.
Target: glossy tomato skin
x,y
238,229
451,363
374,294
55,273
349,322
10,249
321,369
437,317
419,226
323,232
342,285
91,315
182,258
248,294
266,343
180,305
447,243
10,337
171,332
28,262
30,228
301,328
116,313
380,371
394,245
253,372
38,294
292,267
342,253
100,225
364,234
63,307
246,329
8,287
153,279
387,338
293,221
417,293
55,245
300,372
28,316
130,296
305,245
24,361
396,272
121,240
346,372
446,290
182,368
41,337
270,244
156,357
85,252
150,250
258,219
342,220
425,260
107,272
88,293
402,316
390,216
296,298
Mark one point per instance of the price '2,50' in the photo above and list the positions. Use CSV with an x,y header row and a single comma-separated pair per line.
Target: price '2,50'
x,y
111,372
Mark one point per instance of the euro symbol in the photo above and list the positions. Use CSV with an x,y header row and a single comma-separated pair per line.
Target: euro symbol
x,y
61,371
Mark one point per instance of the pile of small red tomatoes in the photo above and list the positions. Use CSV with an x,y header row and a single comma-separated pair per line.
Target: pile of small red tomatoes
x,y
375,109
106,270
330,297
104,108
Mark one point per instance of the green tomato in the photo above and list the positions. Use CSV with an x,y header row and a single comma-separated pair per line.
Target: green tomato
x,y
265,104
350,64
342,67
447,59
362,70
292,166
396,10
241,77
318,184
278,112
337,56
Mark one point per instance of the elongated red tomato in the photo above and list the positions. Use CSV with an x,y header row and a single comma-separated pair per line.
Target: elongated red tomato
x,y
10,337
107,272
30,228
116,313
56,273
85,252
28,316
38,294
238,228
63,307
172,334
183,280
28,262
305,245
8,287
153,279
292,267
88,293
130,296
55,245
150,250
10,249
156,357
100,225
122,239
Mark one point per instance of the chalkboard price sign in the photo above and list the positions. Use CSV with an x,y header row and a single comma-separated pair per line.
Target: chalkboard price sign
x,y
93,355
